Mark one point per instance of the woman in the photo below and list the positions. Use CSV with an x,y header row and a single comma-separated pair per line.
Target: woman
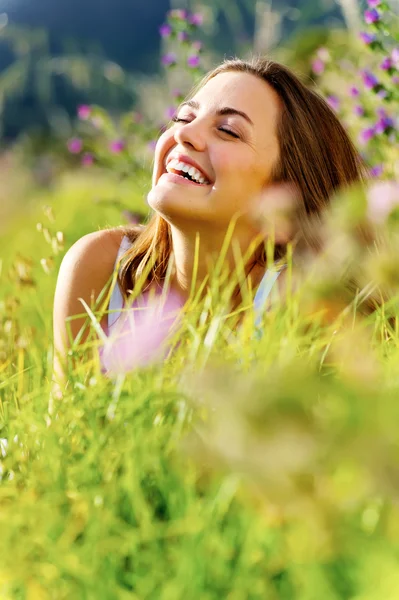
x,y
247,127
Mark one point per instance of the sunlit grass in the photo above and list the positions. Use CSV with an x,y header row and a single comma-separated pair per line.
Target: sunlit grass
x,y
239,467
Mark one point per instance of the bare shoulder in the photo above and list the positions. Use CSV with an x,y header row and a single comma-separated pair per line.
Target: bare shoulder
x,y
96,251
84,272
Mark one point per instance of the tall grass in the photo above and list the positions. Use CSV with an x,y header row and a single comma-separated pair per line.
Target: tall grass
x,y
241,466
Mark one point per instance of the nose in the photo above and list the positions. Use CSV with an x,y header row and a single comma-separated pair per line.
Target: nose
x,y
192,134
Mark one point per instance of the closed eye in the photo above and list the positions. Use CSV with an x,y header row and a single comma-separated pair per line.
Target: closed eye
x,y
228,131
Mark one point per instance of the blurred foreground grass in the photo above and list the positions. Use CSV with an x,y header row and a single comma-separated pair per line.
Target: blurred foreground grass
x,y
238,468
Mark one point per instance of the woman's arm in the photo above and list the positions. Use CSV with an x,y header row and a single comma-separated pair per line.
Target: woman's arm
x,y
85,270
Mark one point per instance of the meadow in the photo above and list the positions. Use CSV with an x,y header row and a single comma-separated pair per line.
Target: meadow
x,y
240,466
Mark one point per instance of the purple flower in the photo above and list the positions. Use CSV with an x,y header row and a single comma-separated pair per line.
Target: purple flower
x,y
354,92
377,171
176,93
383,124
371,16
117,146
318,66
333,101
196,19
87,159
358,110
193,61
75,146
170,112
165,30
366,135
151,145
182,36
169,59
84,112
367,38
395,79
369,79
386,64
373,3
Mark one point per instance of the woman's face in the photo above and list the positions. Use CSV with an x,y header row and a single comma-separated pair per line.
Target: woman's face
x,y
227,134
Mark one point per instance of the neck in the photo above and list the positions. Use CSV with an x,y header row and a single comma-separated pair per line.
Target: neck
x,y
196,254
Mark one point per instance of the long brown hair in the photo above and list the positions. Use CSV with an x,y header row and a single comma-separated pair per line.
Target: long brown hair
x,y
316,156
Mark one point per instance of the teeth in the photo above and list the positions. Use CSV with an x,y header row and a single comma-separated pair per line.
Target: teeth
x,y
194,173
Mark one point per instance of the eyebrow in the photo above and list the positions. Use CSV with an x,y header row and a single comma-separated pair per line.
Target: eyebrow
x,y
226,110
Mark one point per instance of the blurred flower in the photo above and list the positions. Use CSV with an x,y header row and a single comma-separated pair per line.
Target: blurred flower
x,y
170,112
371,16
384,124
182,36
196,45
377,171
373,3
169,59
87,159
151,145
165,30
193,61
84,112
323,54
318,66
178,14
367,38
176,93
97,121
382,198
196,19
140,335
117,146
75,145
395,79
358,110
354,92
366,135
386,64
369,79
395,57
333,101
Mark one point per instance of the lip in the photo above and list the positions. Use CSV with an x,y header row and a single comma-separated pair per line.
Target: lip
x,y
179,179
189,161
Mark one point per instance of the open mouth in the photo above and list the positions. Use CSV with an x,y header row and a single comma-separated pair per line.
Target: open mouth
x,y
187,171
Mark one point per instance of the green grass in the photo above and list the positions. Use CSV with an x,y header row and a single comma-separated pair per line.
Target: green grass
x,y
238,468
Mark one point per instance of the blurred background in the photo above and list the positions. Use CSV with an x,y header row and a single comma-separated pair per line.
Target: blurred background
x,y
56,55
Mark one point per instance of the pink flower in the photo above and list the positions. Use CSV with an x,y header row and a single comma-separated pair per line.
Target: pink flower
x,y
169,59
318,66
386,64
117,146
84,112
333,101
139,337
165,30
193,61
182,36
75,146
87,159
358,110
354,92
366,135
382,198
373,3
196,46
371,16
196,19
170,112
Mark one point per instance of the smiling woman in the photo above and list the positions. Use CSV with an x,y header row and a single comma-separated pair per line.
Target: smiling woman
x,y
248,127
